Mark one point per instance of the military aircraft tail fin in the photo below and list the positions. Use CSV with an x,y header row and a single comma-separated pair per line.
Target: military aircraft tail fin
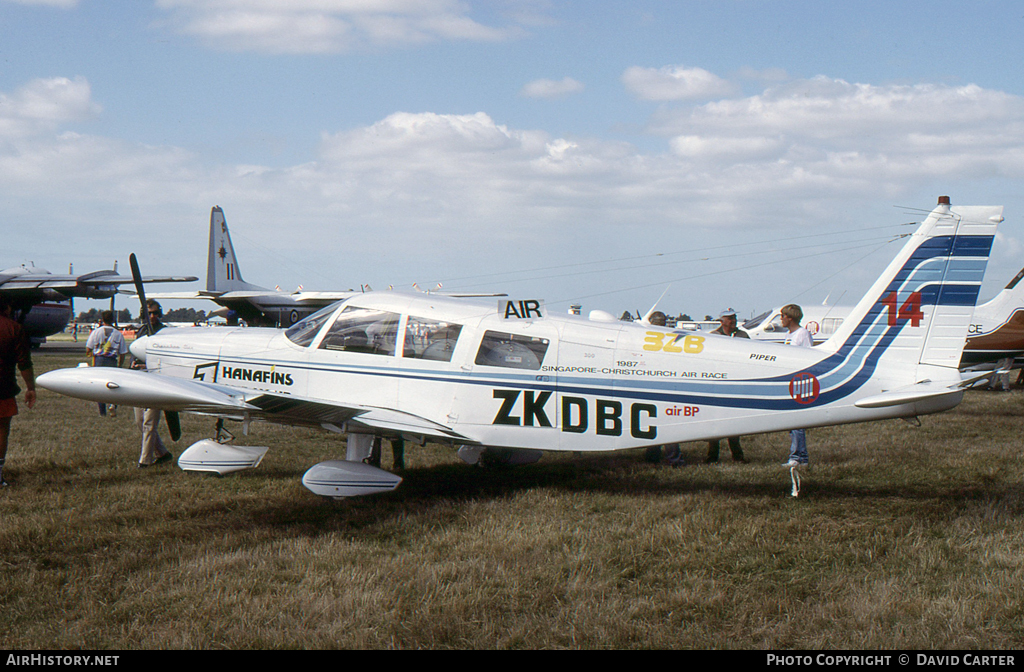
x,y
222,272
921,306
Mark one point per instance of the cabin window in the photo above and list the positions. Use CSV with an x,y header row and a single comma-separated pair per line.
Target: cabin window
x,y
304,332
364,330
775,325
511,351
755,321
830,324
430,339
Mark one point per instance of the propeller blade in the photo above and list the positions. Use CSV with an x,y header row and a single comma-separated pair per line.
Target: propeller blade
x,y
141,291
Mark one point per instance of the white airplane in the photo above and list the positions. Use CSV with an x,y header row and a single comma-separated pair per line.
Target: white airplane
x,y
41,299
996,330
516,379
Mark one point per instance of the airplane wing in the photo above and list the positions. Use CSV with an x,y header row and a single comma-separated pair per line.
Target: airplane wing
x,y
98,284
129,387
323,297
171,295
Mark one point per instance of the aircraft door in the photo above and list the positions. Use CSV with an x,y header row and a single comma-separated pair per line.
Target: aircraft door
x,y
355,360
431,351
586,400
507,391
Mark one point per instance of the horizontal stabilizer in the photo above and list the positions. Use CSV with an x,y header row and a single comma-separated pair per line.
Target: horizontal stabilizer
x,y
908,395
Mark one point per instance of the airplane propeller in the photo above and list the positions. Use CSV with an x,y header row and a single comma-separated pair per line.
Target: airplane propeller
x,y
173,421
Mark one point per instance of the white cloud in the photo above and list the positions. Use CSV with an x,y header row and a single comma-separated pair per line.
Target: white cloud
x,y
446,194
840,131
675,82
549,88
44,104
324,26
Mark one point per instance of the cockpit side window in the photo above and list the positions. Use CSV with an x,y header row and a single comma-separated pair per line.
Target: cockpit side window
x,y
430,339
364,330
755,321
304,332
775,325
511,351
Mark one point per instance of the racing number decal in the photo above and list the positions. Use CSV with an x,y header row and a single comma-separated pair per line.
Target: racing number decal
x,y
910,310
657,341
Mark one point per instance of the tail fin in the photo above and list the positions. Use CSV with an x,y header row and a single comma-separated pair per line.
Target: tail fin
x,y
222,272
1003,305
920,307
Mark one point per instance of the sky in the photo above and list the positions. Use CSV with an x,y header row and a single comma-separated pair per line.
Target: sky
x,y
736,154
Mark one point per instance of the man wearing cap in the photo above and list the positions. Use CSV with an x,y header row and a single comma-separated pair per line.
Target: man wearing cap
x,y
727,320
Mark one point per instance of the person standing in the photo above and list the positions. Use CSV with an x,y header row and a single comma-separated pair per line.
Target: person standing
x,y
801,338
148,419
670,452
15,353
727,327
106,347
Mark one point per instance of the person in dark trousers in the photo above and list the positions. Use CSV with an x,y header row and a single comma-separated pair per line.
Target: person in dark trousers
x,y
106,347
727,327
670,452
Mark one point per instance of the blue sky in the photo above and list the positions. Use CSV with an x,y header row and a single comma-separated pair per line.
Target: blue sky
x,y
742,154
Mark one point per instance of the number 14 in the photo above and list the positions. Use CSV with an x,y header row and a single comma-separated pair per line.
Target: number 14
x,y
910,310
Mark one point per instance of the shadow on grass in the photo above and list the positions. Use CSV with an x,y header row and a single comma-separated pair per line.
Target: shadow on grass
x,y
443,492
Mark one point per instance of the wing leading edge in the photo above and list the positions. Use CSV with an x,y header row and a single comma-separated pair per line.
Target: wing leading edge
x,y
138,388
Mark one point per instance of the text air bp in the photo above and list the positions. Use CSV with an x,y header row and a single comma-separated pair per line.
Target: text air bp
x,y
578,415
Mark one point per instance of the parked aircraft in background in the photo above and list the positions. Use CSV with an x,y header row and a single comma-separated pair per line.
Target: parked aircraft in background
x,y
822,321
257,306
42,300
996,331
511,379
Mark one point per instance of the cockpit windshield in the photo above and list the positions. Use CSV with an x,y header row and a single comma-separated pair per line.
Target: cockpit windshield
x,y
303,332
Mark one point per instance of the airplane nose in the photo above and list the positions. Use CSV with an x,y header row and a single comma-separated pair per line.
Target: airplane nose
x,y
138,348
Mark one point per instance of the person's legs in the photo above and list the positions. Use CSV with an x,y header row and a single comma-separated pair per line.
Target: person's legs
x,y
798,446
5,432
713,448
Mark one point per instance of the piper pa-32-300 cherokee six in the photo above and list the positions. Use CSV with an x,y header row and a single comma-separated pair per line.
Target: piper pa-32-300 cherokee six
x,y
519,379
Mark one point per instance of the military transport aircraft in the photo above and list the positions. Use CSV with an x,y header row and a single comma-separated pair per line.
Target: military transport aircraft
x,y
512,376
41,299
996,331
257,306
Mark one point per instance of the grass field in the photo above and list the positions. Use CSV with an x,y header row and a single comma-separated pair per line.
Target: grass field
x,y
903,537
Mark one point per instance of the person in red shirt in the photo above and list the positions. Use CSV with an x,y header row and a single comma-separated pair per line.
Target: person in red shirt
x,y
15,353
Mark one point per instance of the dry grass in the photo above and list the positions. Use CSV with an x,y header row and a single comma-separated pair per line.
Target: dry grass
x,y
903,537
